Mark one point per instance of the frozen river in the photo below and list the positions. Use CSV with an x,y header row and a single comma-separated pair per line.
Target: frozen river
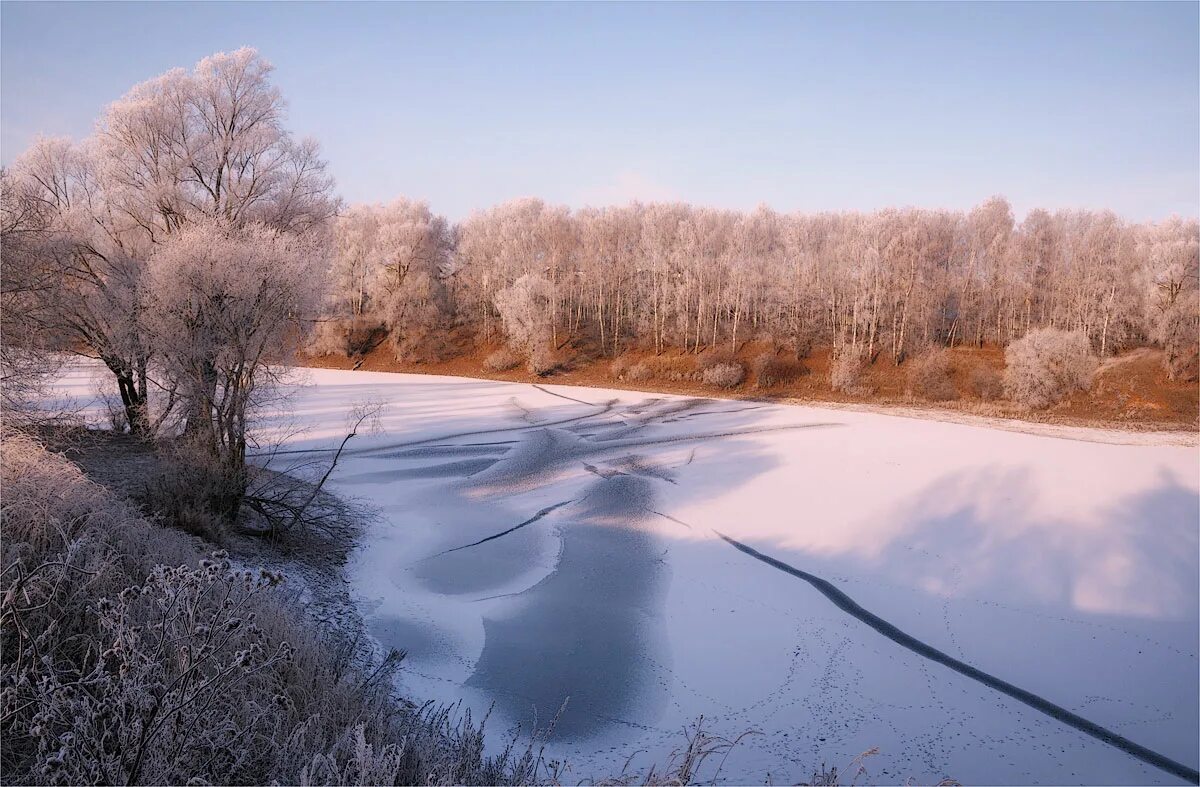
x,y
976,603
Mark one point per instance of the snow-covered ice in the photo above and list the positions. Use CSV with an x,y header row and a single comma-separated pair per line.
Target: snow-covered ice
x,y
540,543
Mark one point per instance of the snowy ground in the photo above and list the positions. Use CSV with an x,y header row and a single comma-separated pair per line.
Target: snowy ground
x,y
543,543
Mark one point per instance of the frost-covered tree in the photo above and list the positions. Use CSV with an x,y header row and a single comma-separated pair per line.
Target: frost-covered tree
x,y
226,304
413,250
1171,254
25,278
212,143
894,281
524,309
498,246
204,145
97,256
388,270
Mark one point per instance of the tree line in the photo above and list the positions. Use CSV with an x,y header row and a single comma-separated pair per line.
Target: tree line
x,y
674,276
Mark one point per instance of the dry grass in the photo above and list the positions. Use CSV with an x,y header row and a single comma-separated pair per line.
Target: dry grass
x,y
665,368
986,382
686,764
640,372
131,655
713,357
619,366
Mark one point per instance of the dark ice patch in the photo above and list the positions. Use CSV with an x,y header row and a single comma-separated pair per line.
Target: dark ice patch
x,y
589,631
461,469
479,569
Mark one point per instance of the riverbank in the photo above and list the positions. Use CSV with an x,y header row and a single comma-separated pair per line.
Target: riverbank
x,y
1131,392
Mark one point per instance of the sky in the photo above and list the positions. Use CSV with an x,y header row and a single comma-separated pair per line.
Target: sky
x,y
801,106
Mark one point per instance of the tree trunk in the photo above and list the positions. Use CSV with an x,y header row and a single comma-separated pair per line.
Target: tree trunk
x,y
131,386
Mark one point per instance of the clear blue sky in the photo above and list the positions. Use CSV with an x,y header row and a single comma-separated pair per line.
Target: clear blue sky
x,y
800,106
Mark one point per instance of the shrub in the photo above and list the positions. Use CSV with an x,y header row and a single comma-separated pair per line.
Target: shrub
x,y
666,367
1047,365
724,375
115,415
929,376
710,358
619,367
986,382
364,337
502,360
541,360
640,372
769,370
846,370
1181,341
348,338
190,489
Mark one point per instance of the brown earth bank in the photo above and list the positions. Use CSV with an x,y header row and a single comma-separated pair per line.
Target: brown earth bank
x,y
1130,391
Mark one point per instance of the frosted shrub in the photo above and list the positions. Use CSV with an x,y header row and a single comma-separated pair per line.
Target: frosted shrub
x,y
96,666
1047,365
929,376
640,372
846,370
502,360
724,375
541,360
770,370
163,699
619,367
710,358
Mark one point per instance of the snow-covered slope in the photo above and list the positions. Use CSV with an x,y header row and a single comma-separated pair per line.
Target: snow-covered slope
x,y
540,543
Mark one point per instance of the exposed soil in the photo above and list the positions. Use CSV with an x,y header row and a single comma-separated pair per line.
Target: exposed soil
x,y
1130,391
